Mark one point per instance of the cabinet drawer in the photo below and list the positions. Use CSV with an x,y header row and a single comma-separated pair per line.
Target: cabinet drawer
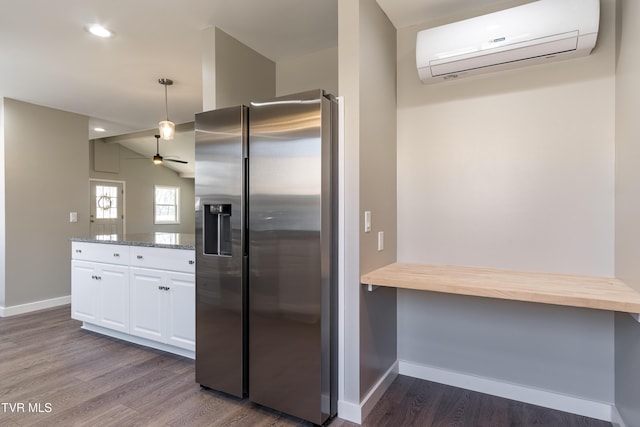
x,y
100,252
163,258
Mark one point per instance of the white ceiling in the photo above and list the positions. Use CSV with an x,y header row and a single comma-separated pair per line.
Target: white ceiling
x,y
405,13
47,58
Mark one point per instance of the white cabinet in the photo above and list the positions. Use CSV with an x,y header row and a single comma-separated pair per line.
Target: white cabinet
x,y
163,306
181,310
146,297
100,289
163,259
100,294
162,286
113,306
145,293
84,291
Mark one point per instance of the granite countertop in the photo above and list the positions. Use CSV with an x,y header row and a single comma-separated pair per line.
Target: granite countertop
x,y
157,240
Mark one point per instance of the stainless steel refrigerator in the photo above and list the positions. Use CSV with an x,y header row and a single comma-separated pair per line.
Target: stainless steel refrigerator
x,y
266,253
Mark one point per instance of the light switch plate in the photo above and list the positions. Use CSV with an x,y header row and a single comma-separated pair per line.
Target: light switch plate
x,y
367,221
380,241
73,216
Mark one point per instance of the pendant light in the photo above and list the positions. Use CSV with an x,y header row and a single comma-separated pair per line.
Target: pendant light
x,y
166,127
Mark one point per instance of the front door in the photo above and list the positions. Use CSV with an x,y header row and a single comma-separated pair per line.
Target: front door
x,y
106,215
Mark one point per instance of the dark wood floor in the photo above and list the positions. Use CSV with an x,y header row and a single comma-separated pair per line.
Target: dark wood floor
x,y
413,402
72,377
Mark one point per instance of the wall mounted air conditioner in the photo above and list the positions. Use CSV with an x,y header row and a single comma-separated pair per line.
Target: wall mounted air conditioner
x,y
542,31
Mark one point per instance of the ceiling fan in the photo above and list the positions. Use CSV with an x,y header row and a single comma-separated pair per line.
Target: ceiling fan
x,y
158,159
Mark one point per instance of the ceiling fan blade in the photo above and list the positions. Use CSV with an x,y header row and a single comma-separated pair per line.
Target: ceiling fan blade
x,y
176,161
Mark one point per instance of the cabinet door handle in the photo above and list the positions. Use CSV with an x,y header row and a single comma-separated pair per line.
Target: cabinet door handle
x,y
117,255
78,251
160,287
191,262
139,257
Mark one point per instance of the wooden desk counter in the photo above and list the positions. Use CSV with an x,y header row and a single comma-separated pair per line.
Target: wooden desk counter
x,y
601,293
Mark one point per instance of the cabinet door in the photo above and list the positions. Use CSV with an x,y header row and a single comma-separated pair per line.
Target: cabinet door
x,y
85,291
114,297
146,292
180,310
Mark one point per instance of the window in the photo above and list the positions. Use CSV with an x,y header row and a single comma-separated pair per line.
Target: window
x,y
167,205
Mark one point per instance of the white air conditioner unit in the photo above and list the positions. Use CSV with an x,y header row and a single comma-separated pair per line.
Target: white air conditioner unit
x,y
542,31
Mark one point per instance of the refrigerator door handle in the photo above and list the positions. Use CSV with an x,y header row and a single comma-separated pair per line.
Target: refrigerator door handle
x,y
245,219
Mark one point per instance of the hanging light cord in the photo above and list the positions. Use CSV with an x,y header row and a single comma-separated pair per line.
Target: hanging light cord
x,y
166,103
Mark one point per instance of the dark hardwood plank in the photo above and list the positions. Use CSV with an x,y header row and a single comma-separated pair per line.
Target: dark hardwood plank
x,y
430,404
386,412
92,380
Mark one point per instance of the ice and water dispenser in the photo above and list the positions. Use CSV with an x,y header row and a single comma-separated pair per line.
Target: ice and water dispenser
x,y
217,229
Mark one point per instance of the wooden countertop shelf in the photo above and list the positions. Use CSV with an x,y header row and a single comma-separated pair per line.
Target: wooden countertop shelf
x,y
601,293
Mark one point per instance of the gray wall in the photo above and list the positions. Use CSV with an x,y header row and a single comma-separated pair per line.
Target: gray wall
x,y
140,176
233,73
349,89
510,170
377,188
367,74
2,208
627,369
563,349
628,207
317,70
46,177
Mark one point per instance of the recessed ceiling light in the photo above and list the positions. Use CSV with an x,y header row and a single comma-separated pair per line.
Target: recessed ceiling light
x,y
100,129
99,30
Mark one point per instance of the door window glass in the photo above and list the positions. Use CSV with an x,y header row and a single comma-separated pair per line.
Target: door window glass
x,y
106,201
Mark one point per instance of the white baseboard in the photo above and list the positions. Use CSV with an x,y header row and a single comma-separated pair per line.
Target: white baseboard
x,y
356,413
34,306
139,340
616,418
378,390
349,411
548,399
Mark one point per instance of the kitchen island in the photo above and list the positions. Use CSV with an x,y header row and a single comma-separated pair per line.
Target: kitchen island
x,y
137,287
